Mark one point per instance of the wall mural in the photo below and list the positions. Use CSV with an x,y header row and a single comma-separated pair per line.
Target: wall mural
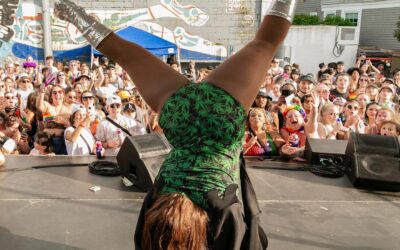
x,y
21,31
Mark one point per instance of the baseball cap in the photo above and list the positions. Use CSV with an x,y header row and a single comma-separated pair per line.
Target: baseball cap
x,y
104,60
81,76
295,72
262,93
123,94
113,100
275,60
389,80
340,101
78,108
324,77
111,66
23,75
388,87
129,106
373,85
307,77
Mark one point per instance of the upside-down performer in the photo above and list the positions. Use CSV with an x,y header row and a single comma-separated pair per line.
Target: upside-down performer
x,y
193,203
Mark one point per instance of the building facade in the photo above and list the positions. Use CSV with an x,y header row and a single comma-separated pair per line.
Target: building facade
x,y
207,29
375,19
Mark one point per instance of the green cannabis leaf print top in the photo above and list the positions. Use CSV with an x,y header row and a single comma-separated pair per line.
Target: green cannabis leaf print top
x,y
205,125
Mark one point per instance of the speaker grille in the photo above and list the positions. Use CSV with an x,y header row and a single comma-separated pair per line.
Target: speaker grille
x,y
151,145
376,167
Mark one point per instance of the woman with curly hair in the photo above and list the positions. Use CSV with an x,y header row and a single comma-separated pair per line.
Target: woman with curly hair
x,y
204,122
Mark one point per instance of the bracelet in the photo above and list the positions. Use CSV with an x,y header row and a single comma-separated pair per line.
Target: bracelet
x,y
283,8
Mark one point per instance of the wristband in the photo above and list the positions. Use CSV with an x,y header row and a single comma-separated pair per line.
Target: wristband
x,y
283,8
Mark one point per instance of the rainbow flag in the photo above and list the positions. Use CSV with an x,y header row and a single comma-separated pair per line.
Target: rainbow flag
x,y
47,117
352,96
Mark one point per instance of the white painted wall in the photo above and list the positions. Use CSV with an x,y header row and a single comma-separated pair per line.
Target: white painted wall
x,y
310,45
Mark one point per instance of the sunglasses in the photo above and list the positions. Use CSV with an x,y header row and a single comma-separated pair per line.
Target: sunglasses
x,y
87,97
115,106
25,81
58,92
9,97
352,107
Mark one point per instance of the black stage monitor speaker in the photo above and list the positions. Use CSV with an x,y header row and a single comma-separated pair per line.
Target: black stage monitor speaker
x,y
373,161
318,150
140,158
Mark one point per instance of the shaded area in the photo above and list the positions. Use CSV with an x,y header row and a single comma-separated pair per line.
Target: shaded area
x,y
10,241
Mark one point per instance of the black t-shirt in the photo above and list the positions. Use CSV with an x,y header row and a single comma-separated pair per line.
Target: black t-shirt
x,y
334,93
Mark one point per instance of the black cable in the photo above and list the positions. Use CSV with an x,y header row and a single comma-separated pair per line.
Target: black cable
x,y
327,168
44,166
105,168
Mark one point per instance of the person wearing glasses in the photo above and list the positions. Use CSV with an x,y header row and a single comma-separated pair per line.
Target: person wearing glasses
x,y
70,99
205,123
24,88
363,81
78,138
89,102
61,80
55,116
109,134
351,119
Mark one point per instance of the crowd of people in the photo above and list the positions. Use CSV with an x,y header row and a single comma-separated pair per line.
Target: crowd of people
x,y
59,108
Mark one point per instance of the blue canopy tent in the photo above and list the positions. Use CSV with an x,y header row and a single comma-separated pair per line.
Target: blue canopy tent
x,y
154,44
21,50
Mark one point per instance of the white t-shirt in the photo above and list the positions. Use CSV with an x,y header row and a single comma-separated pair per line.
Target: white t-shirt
x,y
24,96
109,90
35,152
80,147
106,131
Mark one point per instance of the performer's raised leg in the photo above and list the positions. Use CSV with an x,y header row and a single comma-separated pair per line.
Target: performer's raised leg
x,y
242,74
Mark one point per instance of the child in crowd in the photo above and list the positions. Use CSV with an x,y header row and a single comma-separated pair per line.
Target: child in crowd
x,y
43,145
390,128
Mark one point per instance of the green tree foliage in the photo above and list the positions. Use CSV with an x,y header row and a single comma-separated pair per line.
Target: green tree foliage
x,y
303,19
397,31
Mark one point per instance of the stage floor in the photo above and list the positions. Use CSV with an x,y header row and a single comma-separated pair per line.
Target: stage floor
x,y
53,208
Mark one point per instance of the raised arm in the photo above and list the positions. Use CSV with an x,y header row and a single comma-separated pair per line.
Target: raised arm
x,y
155,80
311,127
41,104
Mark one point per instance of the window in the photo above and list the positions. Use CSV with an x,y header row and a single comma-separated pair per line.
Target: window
x,y
313,13
329,14
352,17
